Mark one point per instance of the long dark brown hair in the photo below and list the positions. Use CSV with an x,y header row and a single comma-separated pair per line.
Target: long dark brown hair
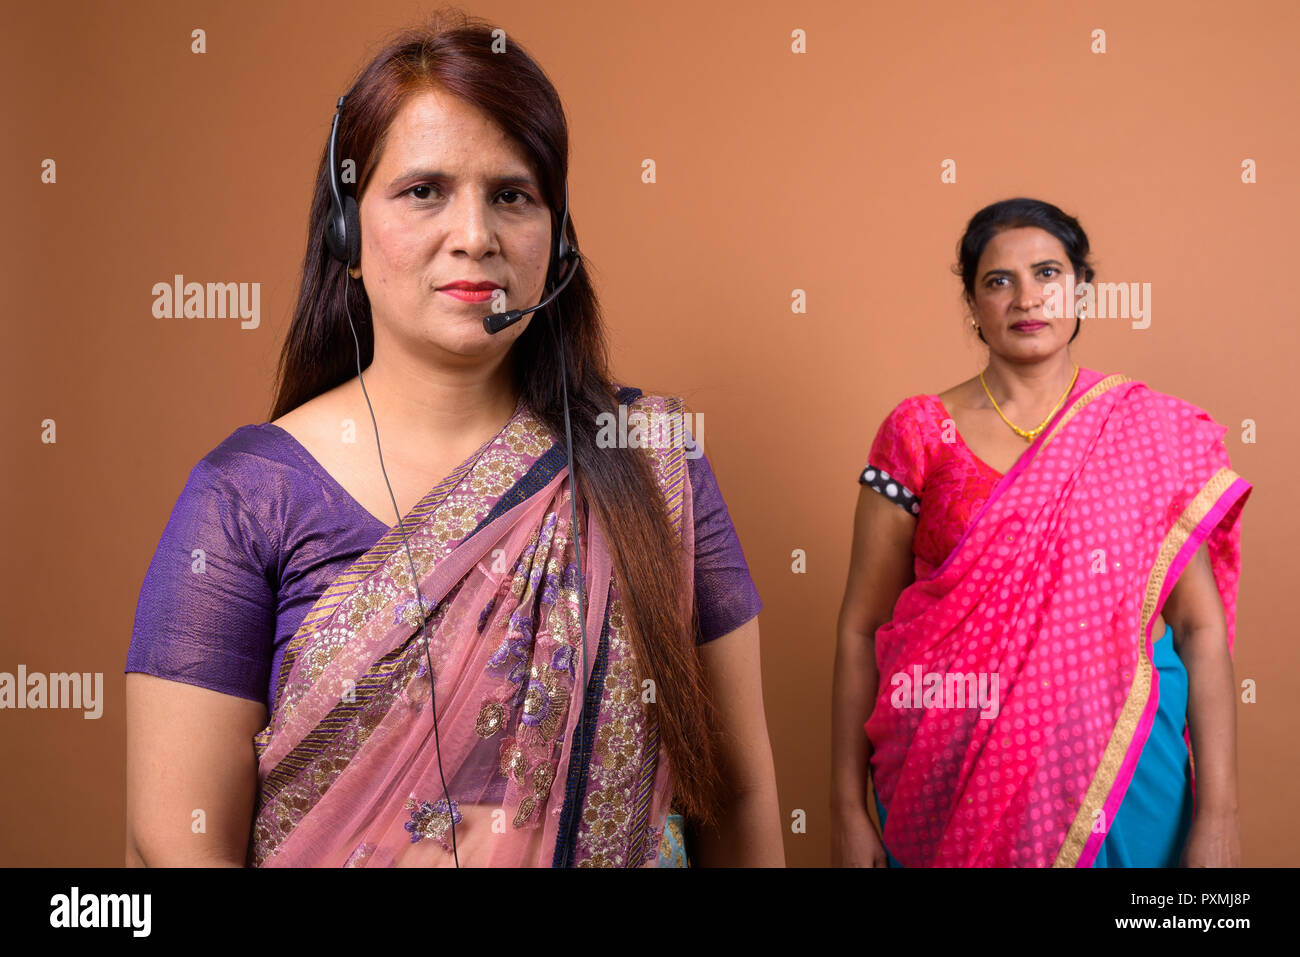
x,y
454,52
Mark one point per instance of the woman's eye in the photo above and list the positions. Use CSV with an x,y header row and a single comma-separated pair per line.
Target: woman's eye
x,y
513,197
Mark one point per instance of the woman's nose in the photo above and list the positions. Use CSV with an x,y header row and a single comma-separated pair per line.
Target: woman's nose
x,y
471,227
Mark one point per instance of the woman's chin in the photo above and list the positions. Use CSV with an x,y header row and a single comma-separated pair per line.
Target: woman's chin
x,y
473,341
1032,351
459,332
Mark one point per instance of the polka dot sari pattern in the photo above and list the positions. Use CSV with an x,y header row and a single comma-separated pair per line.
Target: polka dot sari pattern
x,y
1051,588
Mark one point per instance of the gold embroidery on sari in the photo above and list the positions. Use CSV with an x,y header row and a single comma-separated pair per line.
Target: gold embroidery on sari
x,y
546,705
512,760
297,783
308,771
354,580
431,819
490,719
613,831
301,778
525,812
672,844
543,778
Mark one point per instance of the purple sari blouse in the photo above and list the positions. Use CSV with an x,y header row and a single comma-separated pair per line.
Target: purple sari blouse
x,y
261,530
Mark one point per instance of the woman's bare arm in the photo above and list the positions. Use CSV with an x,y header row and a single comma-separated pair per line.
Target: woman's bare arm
x,y
1195,612
879,569
748,832
188,750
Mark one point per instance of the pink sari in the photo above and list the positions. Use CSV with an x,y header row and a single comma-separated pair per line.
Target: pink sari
x,y
347,766
1052,591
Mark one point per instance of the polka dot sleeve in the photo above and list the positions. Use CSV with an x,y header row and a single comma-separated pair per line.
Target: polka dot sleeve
x,y
896,463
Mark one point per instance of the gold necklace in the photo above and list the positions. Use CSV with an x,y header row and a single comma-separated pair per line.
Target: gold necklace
x,y
1030,434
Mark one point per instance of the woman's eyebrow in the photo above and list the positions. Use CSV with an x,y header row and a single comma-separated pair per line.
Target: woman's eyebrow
x,y
1042,262
509,178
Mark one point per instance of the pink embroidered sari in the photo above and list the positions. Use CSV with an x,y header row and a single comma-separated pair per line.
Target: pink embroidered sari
x,y
1052,591
347,766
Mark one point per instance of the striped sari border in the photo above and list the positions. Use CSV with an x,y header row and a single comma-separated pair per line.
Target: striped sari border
x,y
377,677
342,586
645,789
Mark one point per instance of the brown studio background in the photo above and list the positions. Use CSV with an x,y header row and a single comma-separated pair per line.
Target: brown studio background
x,y
776,172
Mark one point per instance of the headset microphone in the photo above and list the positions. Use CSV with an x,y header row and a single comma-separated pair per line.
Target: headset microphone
x,y
503,320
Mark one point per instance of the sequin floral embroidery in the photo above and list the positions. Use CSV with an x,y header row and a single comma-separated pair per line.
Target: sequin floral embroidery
x,y
430,819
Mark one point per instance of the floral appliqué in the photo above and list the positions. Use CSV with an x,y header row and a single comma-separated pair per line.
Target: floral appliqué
x,y
431,819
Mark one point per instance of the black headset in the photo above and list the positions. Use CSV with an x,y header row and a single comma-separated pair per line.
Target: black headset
x,y
343,240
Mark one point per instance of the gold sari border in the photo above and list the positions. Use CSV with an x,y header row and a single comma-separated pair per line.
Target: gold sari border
x,y
673,465
1102,386
342,586
1135,705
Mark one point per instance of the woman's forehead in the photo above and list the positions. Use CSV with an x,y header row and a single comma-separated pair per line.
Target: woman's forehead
x,y
434,129
1021,242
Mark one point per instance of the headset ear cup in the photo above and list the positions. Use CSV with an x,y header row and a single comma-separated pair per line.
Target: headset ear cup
x,y
352,235
334,230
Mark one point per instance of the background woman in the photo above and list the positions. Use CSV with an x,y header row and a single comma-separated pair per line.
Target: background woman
x,y
1020,536
279,674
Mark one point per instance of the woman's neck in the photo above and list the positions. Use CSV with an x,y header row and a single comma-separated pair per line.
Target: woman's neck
x,y
435,408
1030,385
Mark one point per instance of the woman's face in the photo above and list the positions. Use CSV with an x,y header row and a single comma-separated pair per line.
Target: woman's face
x,y
1009,296
451,199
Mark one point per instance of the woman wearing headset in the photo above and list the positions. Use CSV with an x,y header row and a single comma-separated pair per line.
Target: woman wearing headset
x,y
1042,595
285,689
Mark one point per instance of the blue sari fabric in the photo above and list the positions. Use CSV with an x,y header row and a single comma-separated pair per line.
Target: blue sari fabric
x,y
672,848
1156,813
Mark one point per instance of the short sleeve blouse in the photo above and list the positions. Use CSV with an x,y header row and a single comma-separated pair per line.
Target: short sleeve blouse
x,y
919,461
261,529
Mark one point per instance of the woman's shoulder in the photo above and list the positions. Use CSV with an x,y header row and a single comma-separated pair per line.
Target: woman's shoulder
x,y
920,404
668,425
1145,392
907,445
222,509
915,413
245,455
632,396
664,418
243,476
1174,414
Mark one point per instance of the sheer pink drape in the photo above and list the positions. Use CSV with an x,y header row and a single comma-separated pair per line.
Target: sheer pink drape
x,y
1042,615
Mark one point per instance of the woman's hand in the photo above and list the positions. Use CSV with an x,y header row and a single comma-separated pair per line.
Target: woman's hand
x,y
748,831
1213,841
880,567
854,841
